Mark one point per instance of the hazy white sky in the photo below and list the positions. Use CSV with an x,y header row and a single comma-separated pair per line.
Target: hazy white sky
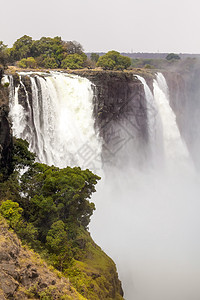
x,y
123,25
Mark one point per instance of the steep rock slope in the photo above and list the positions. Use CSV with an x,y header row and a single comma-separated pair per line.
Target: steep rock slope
x,y
23,275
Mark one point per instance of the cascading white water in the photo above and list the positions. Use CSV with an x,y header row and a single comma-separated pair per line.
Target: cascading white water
x,y
17,112
59,125
155,127
148,220
175,149
151,223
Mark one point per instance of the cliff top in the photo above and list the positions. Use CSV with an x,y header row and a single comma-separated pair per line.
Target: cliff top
x,y
92,72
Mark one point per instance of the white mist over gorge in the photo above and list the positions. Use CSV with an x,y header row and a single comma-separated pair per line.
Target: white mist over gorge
x,y
147,203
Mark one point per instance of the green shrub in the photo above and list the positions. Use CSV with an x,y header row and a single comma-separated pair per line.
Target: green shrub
x,y
29,62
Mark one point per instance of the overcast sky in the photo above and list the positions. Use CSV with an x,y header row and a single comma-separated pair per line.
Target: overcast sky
x,y
125,25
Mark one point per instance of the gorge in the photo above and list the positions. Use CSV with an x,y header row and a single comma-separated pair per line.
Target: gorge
x,y
140,133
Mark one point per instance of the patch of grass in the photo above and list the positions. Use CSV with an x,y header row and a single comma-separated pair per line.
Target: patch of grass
x,y
92,275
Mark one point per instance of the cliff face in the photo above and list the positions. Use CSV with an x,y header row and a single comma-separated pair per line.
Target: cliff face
x,y
5,131
118,95
23,276
120,111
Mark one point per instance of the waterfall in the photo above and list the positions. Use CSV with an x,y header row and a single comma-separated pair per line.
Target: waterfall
x,y
58,121
17,113
175,148
147,220
155,127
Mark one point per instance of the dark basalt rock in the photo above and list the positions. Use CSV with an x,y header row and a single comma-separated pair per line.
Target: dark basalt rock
x,y
6,142
120,111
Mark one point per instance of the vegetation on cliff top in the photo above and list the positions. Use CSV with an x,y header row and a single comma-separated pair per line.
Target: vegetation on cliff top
x,y
49,209
54,53
48,53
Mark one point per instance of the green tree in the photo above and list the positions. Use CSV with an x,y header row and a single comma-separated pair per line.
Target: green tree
x,y
22,48
56,237
29,62
114,61
49,205
49,63
50,50
21,156
123,62
48,53
106,63
74,61
173,56
41,212
28,233
58,194
58,245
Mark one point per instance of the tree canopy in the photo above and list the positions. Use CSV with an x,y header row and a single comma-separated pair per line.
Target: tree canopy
x,y
47,52
49,194
21,48
113,60
74,61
